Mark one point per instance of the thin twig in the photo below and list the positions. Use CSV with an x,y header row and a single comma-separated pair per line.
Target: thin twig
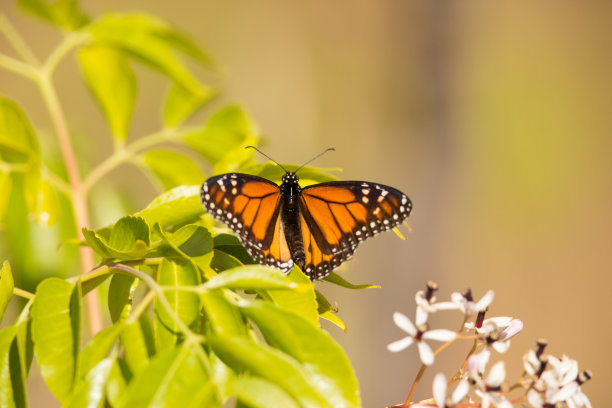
x,y
23,293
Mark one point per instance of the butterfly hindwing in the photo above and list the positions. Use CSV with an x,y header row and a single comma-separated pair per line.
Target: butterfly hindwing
x,y
337,215
250,206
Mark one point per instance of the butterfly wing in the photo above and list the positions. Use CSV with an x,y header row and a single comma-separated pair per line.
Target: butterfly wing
x,y
250,206
337,215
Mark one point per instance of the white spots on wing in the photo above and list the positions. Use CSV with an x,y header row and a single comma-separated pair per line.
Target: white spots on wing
x,y
235,220
234,182
365,191
205,187
223,188
384,193
229,216
380,198
220,182
402,209
364,228
386,222
365,185
365,200
373,224
234,190
404,200
212,205
357,233
376,211
233,176
395,216
226,201
207,196
219,211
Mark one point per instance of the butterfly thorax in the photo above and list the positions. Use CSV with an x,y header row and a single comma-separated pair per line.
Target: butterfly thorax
x,y
290,217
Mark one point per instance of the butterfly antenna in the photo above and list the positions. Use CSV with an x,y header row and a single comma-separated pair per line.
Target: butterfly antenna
x,y
314,158
265,155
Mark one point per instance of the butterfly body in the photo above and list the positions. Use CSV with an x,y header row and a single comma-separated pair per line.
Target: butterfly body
x,y
317,227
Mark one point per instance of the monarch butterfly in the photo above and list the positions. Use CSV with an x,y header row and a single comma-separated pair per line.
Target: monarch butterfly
x,y
316,227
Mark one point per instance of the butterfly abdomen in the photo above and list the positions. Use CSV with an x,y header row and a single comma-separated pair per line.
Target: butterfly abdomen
x,y
290,217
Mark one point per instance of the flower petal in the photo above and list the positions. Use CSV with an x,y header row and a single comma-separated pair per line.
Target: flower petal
x,y
440,335
460,391
439,389
404,323
446,306
501,346
425,352
401,344
535,398
565,393
512,329
485,301
421,316
497,375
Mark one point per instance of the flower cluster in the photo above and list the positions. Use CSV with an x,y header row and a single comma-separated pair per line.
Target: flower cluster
x,y
548,381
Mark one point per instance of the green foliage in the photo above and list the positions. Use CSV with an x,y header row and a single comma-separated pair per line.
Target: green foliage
x,y
192,321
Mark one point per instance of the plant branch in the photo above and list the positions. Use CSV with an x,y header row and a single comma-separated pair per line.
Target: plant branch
x,y
126,153
17,42
71,41
77,194
18,67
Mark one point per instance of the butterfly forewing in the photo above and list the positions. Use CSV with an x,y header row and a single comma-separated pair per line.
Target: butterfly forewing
x,y
336,216
249,205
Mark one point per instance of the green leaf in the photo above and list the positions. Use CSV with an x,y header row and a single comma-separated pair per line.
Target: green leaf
x,y
120,295
90,392
338,280
186,305
231,245
174,378
116,383
323,359
129,239
138,343
251,277
224,317
172,168
181,103
6,286
327,311
12,385
258,393
127,232
301,302
223,140
113,83
18,141
222,261
177,206
271,364
54,336
97,349
63,13
5,188
47,207
151,41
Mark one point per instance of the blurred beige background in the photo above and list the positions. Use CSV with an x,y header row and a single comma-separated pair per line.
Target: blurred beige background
x,y
494,118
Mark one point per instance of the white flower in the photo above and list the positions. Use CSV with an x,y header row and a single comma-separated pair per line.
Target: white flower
x,y
439,393
491,391
426,301
466,303
419,334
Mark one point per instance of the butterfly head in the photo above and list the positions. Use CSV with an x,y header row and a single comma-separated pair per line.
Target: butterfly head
x,y
290,178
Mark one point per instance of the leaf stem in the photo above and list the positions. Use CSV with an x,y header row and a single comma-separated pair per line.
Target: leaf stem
x,y
23,293
70,41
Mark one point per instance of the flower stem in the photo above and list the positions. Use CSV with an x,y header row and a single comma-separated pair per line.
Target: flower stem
x,y
18,44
